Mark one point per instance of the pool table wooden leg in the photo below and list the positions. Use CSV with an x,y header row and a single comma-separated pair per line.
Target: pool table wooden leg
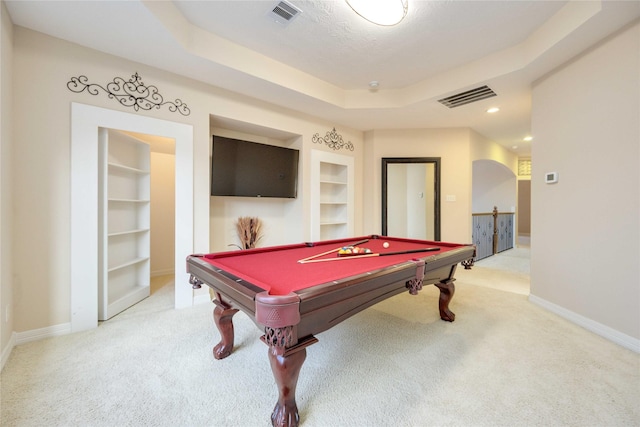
x,y
223,318
447,289
286,369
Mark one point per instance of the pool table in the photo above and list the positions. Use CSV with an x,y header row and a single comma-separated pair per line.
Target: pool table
x,y
294,292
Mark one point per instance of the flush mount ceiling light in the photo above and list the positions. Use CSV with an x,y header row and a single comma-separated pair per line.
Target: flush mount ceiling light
x,y
381,12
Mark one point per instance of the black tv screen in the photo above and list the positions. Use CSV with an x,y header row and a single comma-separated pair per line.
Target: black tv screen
x,y
248,169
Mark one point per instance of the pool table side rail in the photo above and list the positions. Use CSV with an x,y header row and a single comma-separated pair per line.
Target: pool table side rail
x,y
235,287
325,306
432,262
241,294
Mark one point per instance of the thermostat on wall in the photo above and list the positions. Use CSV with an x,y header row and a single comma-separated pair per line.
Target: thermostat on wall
x,y
551,177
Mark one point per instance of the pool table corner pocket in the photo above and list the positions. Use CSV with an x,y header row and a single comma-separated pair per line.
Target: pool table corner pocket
x,y
277,311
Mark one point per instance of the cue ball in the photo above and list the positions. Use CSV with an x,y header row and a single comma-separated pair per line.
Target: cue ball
x,y
385,245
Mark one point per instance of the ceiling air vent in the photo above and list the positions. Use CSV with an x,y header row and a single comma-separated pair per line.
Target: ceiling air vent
x,y
284,12
473,95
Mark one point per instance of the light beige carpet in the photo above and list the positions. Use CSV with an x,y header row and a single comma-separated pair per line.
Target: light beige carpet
x,y
503,362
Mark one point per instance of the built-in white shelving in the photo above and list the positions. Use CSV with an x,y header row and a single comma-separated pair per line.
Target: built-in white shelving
x,y
124,226
331,195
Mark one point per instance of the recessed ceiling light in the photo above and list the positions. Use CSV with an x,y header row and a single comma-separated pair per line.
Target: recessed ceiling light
x,y
493,110
527,138
515,147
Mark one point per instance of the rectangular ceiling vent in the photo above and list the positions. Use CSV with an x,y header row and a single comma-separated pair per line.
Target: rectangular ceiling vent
x,y
284,12
473,95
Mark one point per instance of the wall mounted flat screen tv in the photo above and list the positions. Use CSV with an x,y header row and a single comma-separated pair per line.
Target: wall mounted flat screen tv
x,y
249,169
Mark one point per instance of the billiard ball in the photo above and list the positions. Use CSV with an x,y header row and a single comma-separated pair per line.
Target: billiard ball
x,y
385,245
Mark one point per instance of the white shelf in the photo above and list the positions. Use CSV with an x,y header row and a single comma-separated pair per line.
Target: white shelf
x,y
332,195
130,200
124,233
333,182
128,263
125,222
116,166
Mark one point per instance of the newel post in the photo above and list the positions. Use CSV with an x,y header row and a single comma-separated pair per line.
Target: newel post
x,y
495,230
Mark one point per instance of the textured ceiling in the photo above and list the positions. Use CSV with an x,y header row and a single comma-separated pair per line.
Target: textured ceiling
x,y
321,62
332,43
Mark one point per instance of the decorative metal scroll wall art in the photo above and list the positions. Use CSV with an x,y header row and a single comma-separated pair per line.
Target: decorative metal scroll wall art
x,y
131,93
332,139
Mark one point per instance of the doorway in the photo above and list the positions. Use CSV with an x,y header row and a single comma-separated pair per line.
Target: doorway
x,y
524,212
411,197
162,213
85,122
162,190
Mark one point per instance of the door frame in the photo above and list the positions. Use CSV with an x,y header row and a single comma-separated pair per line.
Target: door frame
x,y
436,172
85,122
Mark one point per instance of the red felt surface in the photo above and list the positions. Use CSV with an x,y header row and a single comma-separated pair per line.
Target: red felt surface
x,y
277,270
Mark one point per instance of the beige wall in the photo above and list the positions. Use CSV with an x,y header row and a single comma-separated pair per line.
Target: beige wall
x,y
42,107
163,169
458,148
43,66
452,145
484,149
494,185
586,228
282,221
494,176
41,112
6,188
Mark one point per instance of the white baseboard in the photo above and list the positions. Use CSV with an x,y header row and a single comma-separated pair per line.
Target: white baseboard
x,y
6,352
613,335
165,272
18,338
42,333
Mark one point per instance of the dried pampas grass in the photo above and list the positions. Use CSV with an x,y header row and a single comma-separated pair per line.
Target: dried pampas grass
x,y
249,231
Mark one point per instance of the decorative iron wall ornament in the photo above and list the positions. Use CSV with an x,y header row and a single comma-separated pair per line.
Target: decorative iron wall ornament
x,y
131,93
333,139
